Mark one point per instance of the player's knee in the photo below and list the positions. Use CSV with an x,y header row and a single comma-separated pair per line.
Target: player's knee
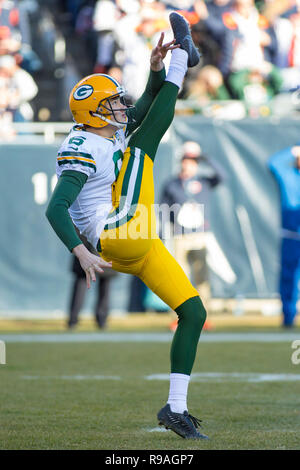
x,y
193,312
200,313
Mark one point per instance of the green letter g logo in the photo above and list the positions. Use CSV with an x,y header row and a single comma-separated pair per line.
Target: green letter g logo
x,y
83,92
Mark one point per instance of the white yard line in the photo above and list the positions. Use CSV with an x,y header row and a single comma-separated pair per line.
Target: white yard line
x,y
232,377
71,377
215,377
157,429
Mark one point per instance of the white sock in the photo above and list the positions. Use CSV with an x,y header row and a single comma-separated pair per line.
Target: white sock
x,y
178,392
178,67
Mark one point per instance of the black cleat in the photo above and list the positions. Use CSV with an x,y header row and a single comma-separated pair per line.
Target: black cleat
x,y
182,424
100,319
182,34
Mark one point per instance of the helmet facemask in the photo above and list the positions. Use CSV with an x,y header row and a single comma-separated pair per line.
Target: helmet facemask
x,y
105,110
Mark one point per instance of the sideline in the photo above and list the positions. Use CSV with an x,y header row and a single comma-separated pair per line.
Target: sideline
x,y
125,337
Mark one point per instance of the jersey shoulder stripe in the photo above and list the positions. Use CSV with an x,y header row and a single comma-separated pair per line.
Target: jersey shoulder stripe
x,y
76,154
81,158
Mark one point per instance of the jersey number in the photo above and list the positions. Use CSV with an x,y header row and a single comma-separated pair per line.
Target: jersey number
x,y
76,141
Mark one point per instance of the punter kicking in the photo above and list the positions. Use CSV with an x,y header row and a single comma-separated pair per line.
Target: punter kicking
x,y
105,187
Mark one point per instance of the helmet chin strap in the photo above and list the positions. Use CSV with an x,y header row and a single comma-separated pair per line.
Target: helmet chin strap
x,y
119,125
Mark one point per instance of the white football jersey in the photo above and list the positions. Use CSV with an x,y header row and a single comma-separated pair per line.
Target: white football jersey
x,y
100,159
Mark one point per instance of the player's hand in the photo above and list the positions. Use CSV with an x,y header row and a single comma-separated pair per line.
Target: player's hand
x,y
159,53
91,264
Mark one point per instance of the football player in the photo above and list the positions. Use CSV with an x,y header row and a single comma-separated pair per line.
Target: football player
x,y
105,187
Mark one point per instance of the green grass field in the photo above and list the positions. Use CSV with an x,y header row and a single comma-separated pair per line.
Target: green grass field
x,y
96,396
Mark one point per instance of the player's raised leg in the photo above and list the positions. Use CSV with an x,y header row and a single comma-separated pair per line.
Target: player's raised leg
x,y
160,271
161,113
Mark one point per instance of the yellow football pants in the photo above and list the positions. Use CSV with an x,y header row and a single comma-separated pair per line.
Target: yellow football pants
x,y
129,237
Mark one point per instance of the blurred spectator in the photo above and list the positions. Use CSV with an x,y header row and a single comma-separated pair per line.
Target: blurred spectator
x,y
209,85
137,295
84,39
73,8
136,33
285,165
206,43
209,95
20,86
185,5
101,309
7,96
243,34
187,198
256,87
116,73
211,13
234,36
14,16
15,33
9,43
286,21
105,19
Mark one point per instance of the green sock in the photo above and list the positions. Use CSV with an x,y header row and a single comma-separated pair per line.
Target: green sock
x,y
191,318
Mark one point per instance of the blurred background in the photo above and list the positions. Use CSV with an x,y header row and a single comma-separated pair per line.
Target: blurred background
x,y
232,149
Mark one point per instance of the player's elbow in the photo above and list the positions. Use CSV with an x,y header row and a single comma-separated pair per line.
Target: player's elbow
x,y
51,212
48,213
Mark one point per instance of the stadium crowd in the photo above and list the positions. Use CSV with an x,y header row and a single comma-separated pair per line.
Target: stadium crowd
x,y
250,53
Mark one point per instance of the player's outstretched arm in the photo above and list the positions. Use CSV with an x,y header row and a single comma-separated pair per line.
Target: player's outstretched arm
x,y
156,79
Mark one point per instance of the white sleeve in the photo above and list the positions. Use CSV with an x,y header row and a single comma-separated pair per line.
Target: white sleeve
x,y
76,154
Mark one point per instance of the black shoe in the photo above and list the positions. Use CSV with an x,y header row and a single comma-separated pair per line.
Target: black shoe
x,y
101,321
182,423
182,34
